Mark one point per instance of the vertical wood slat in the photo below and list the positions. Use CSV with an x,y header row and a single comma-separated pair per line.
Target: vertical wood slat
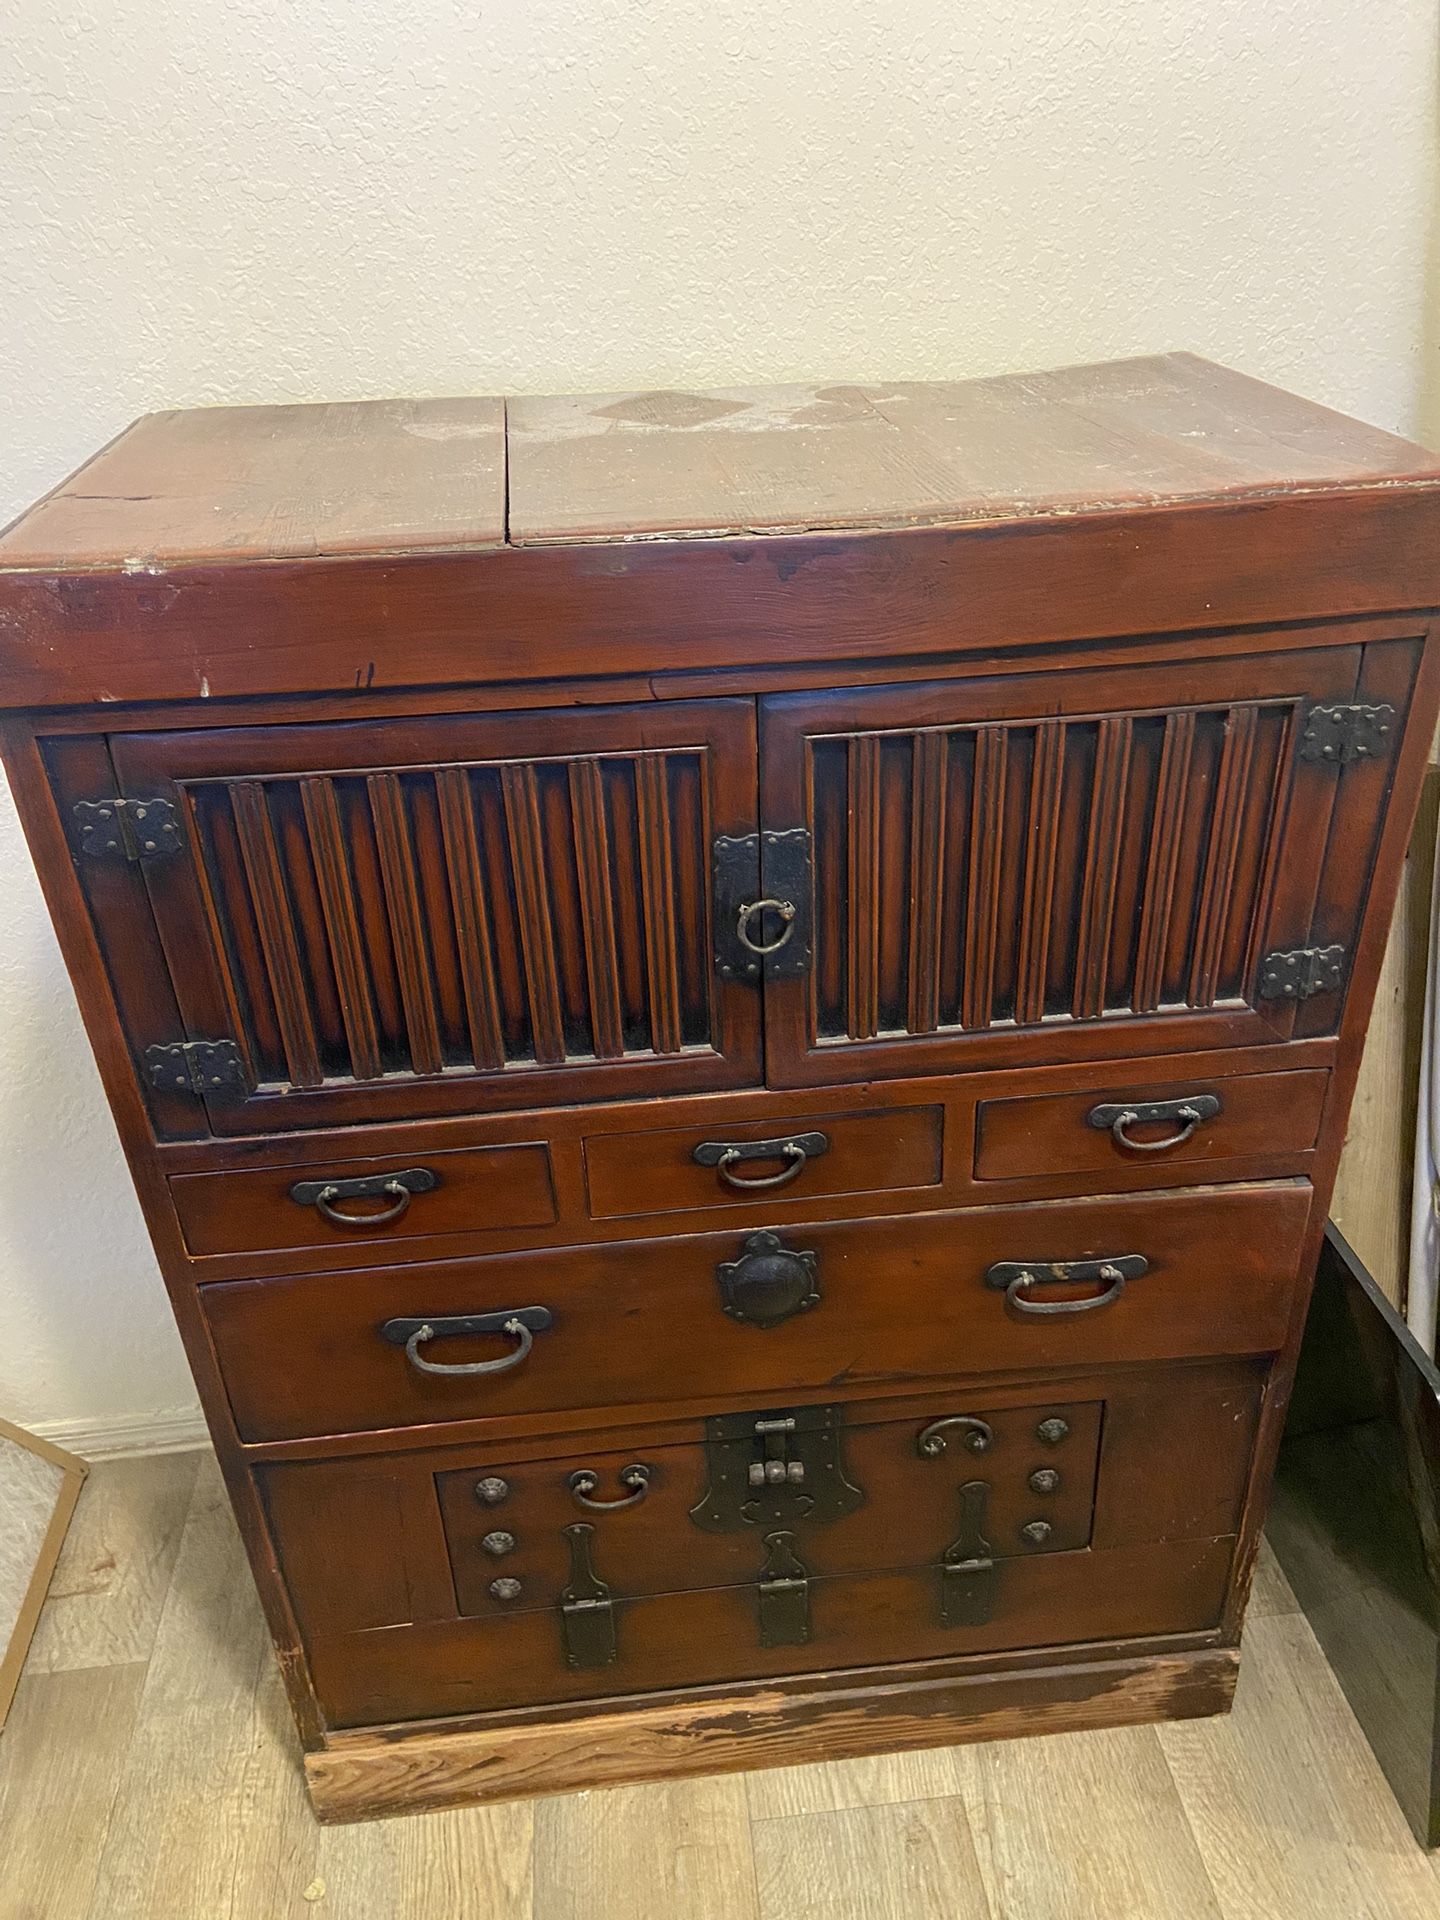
x,y
1042,828
537,933
1232,783
1277,819
1170,793
862,862
275,920
407,925
987,815
597,908
657,899
342,925
927,878
1102,861
472,917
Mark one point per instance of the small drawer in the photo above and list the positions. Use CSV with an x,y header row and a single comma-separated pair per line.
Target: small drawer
x,y
691,1321
347,1205
859,1490
764,1161
1118,1126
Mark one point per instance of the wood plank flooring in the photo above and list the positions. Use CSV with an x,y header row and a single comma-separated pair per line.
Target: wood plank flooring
x,y
148,1770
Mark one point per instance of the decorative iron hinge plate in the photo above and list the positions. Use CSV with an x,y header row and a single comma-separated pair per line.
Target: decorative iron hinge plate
x,y
784,1594
587,1617
967,1566
127,829
197,1066
764,905
1341,734
1301,973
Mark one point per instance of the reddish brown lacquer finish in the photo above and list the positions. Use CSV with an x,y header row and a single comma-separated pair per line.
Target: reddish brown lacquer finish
x,y
408,782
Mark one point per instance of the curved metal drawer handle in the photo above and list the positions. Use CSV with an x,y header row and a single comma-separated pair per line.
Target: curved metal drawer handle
x,y
400,1187
1188,1113
794,1148
1017,1277
931,1441
520,1324
583,1483
325,1207
787,911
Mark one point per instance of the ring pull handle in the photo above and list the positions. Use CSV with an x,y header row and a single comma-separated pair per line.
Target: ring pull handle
x,y
520,1325
584,1481
1018,1280
326,1208
748,909
1186,1114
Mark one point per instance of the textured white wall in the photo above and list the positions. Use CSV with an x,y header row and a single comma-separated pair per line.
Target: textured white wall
x,y
254,200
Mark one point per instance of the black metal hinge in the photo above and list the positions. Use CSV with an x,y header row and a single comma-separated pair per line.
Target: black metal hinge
x,y
783,1590
764,904
1301,973
1341,734
587,1616
127,829
967,1568
197,1066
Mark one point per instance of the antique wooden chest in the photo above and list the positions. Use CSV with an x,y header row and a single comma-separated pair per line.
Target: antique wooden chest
x,y
733,1014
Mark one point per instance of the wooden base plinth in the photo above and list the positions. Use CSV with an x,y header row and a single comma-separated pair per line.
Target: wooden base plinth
x,y
367,1775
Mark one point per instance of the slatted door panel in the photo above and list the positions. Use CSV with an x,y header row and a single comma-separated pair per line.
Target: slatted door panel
x,y
1049,870
423,917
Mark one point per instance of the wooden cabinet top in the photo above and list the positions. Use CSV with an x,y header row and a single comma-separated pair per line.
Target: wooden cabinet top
x,y
222,484
331,548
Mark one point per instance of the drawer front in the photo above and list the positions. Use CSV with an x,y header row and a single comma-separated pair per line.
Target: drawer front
x,y
685,1167
856,1491
344,1205
706,1318
1118,1125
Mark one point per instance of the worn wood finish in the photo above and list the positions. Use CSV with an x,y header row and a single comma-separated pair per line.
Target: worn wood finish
x,y
1043,667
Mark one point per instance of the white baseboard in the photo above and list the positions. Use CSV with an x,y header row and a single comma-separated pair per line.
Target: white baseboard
x,y
170,1430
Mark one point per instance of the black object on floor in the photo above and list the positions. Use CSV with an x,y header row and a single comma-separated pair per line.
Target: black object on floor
x,y
1355,1520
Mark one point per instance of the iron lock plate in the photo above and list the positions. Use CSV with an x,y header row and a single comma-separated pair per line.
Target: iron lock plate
x,y
783,1592
774,1470
763,894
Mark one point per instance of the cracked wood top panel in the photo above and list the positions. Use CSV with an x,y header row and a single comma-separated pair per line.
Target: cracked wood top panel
x,y
276,483
745,460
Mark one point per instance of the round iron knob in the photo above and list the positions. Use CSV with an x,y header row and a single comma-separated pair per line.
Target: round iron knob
x,y
1044,1480
505,1589
1052,1432
499,1544
1036,1532
492,1490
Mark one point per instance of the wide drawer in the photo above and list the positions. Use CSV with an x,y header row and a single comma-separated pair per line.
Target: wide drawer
x,y
707,1318
341,1204
822,1154
1114,1127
